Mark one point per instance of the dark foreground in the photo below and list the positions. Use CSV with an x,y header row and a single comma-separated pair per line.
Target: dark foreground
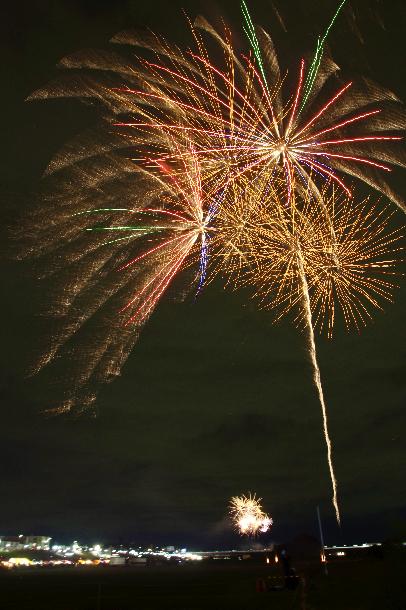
x,y
351,585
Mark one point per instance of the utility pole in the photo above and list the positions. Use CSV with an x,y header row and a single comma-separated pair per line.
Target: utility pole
x,y
323,554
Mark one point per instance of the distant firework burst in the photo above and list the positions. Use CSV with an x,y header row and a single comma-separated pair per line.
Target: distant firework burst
x,y
247,515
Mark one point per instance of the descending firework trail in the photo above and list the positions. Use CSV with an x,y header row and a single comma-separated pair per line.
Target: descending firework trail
x,y
377,243
317,379
247,515
297,263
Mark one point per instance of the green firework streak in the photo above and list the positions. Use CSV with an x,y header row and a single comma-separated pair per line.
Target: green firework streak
x,y
252,37
129,210
315,65
133,232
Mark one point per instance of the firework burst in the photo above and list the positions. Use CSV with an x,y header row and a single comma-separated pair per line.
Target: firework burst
x,y
109,262
238,115
348,251
216,167
247,515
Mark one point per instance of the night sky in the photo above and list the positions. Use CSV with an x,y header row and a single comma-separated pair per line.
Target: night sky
x,y
215,400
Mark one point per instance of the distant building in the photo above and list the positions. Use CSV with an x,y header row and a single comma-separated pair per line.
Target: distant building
x,y
18,543
11,543
38,542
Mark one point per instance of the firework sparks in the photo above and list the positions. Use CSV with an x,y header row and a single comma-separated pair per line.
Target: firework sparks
x,y
315,65
348,251
247,515
297,147
239,123
120,258
235,115
211,167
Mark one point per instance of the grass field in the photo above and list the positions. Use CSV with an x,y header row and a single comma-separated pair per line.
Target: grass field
x,y
351,585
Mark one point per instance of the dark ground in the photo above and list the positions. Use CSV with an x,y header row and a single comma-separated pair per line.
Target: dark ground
x,y
351,585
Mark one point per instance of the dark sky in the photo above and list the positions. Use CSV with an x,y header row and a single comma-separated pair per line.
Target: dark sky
x,y
215,400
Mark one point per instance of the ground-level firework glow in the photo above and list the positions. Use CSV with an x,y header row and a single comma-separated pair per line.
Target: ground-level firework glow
x,y
247,515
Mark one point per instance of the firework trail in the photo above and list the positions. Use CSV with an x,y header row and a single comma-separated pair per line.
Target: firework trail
x,y
317,380
247,515
297,264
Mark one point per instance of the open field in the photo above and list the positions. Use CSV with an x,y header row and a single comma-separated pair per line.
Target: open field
x,y
351,585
